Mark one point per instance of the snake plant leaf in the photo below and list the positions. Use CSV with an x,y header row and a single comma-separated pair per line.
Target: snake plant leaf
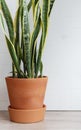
x,y
3,29
29,5
36,1
34,4
14,57
17,33
41,69
8,19
17,27
37,12
44,19
2,22
26,39
37,26
11,48
19,1
20,53
35,60
51,6
33,7
33,41
39,58
13,54
35,33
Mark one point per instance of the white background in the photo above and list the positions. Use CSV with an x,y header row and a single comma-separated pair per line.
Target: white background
x,y
62,58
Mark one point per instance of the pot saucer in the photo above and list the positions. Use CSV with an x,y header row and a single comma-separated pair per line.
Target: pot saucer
x,y
27,115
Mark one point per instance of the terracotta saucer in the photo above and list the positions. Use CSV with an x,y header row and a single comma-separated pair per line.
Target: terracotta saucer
x,y
27,116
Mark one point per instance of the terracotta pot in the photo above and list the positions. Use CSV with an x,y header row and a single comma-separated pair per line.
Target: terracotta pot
x,y
26,93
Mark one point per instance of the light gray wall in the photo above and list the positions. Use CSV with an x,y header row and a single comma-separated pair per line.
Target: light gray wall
x,y
62,58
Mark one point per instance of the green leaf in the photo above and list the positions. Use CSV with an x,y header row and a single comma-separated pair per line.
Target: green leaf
x,y
37,12
11,49
13,54
17,33
17,26
51,6
20,2
37,26
34,4
33,41
35,59
14,58
26,39
36,1
19,54
2,22
8,19
39,57
14,71
29,5
41,69
3,29
44,19
33,7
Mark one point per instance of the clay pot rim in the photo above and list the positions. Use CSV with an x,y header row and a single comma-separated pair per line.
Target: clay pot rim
x,y
38,78
30,110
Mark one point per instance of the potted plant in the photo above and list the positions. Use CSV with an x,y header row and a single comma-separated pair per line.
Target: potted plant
x,y
27,85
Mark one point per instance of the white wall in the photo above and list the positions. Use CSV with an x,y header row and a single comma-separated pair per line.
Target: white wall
x,y
62,58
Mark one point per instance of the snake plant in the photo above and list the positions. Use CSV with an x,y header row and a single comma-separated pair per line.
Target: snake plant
x,y
25,51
